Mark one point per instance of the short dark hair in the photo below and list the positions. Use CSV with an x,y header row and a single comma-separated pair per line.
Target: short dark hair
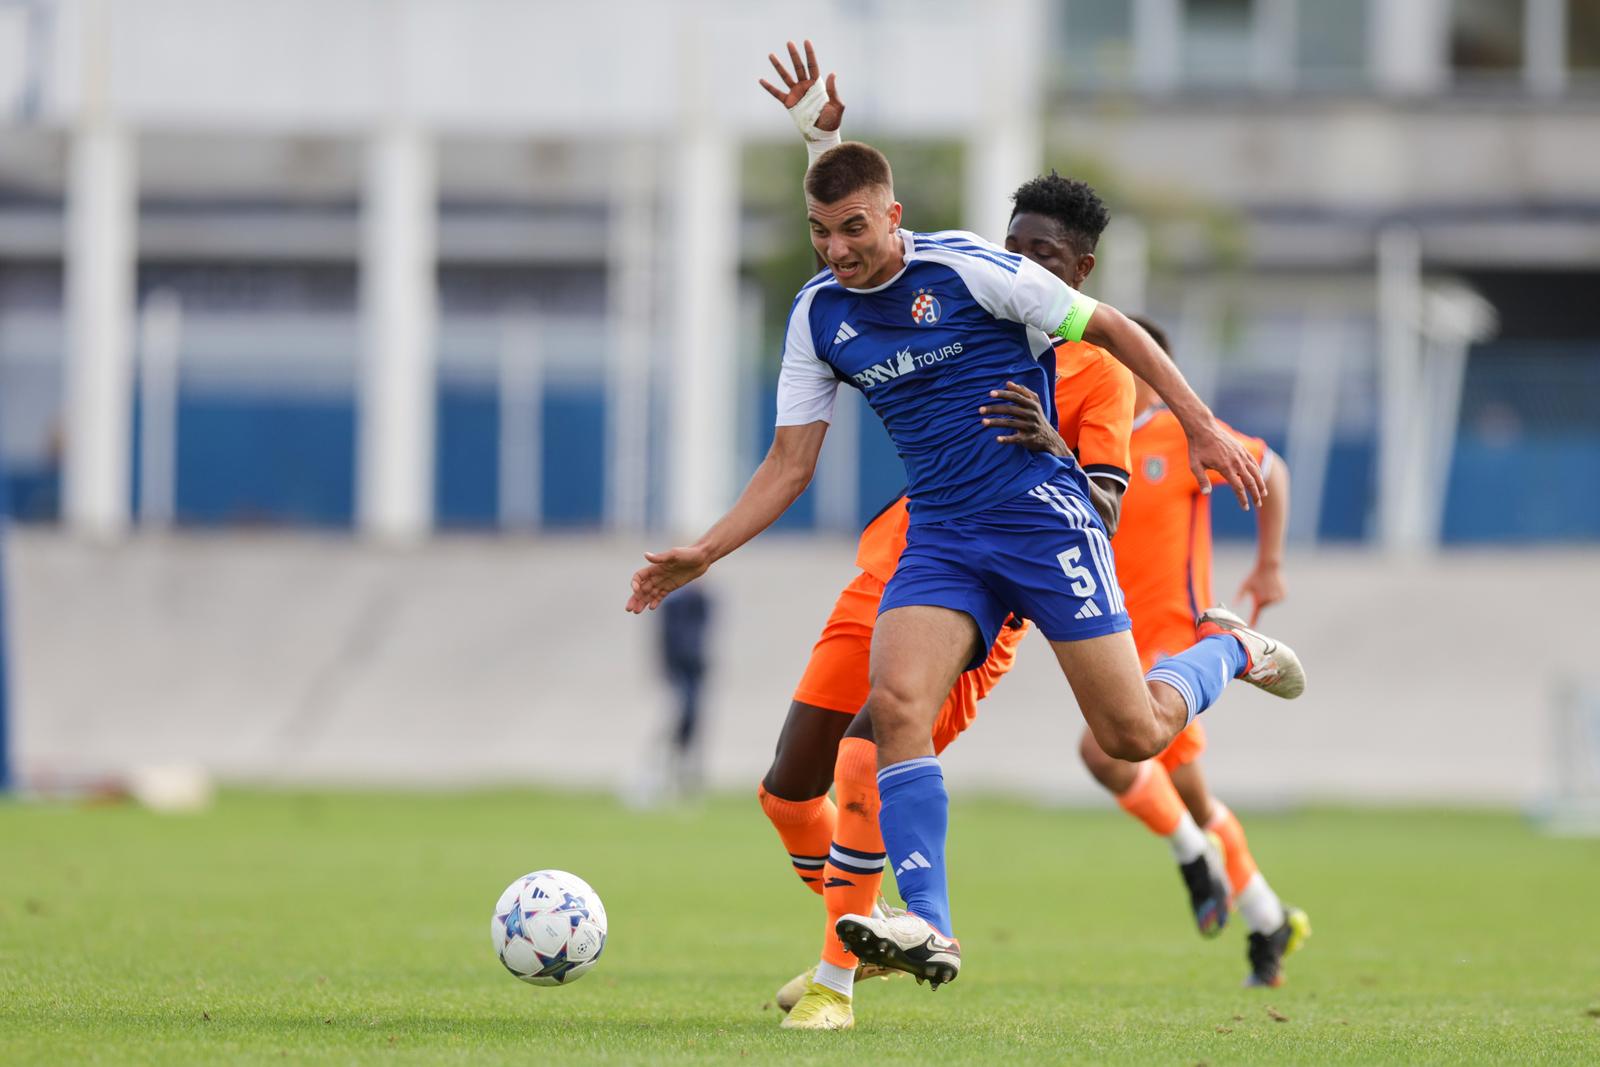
x,y
1072,203
1156,332
845,169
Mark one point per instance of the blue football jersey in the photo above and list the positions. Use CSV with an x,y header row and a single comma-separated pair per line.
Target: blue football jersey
x,y
961,318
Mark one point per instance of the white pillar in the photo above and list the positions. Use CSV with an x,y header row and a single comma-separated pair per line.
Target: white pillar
x,y
1157,45
160,337
395,444
630,283
1004,149
1544,61
102,216
702,408
1400,525
1199,338
1313,415
521,484
1454,317
1274,44
1122,269
1408,45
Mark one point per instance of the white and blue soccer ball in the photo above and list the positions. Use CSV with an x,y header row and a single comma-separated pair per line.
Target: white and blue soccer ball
x,y
549,928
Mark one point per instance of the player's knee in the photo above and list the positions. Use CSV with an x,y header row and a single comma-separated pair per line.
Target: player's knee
x,y
796,779
1131,742
889,705
1095,760
894,712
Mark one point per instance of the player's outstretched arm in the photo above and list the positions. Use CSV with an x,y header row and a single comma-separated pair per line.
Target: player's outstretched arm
x,y
1264,585
817,111
777,483
1210,447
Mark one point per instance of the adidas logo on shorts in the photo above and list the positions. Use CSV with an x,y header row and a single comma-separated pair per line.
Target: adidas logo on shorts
x,y
1088,611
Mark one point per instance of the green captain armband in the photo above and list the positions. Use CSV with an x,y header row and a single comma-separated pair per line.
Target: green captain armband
x,y
1071,328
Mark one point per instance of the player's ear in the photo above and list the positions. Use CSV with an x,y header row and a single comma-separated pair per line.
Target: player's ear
x,y
1084,266
895,211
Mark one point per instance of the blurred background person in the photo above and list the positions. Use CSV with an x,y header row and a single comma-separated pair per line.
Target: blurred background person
x,y
685,630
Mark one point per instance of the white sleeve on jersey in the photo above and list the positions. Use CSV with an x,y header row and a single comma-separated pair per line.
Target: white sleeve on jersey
x,y
807,386
1041,300
1009,286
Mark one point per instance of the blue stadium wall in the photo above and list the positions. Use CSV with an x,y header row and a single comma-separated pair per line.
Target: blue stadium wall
x,y
289,460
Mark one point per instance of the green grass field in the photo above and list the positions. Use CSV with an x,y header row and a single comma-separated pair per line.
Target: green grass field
x,y
354,929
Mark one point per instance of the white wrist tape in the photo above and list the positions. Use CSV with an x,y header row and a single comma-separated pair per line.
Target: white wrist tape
x,y
805,114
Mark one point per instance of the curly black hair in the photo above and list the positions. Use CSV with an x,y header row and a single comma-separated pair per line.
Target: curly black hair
x,y
1072,203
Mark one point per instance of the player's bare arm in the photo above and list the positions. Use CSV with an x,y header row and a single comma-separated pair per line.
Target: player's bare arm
x,y
1265,585
777,483
1210,447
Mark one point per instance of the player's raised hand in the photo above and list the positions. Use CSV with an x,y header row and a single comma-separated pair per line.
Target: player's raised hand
x,y
1018,408
1212,450
1264,587
669,570
800,82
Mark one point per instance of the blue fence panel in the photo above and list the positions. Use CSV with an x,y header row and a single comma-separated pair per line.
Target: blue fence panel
x,y
33,493
574,435
1348,490
466,473
247,459
1542,489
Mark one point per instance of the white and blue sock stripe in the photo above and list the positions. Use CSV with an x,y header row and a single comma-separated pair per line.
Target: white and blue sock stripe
x,y
854,860
1176,681
906,767
1201,672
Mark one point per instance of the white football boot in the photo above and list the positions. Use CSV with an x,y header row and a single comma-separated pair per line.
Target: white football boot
x,y
1273,665
904,943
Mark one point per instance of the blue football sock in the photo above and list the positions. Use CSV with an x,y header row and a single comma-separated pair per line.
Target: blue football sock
x,y
914,814
1202,671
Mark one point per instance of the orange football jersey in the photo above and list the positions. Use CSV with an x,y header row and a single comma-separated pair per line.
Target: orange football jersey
x,y
1163,542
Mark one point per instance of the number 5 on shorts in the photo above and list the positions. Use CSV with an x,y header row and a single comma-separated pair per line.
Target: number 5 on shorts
x,y
1083,584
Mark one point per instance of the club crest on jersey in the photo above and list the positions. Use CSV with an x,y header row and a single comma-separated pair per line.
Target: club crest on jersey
x,y
925,308
1155,468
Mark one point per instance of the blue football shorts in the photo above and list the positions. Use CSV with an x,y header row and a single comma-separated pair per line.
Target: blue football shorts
x,y
1042,555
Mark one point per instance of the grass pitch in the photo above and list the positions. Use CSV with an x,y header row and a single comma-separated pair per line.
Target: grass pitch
x,y
354,929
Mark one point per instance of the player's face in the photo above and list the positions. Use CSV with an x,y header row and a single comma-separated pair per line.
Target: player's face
x,y
1044,240
855,237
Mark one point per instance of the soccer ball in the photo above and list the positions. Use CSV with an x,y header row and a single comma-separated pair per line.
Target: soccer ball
x,y
548,928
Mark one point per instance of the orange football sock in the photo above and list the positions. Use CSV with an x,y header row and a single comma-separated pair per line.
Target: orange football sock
x,y
1153,800
806,827
855,862
1241,865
